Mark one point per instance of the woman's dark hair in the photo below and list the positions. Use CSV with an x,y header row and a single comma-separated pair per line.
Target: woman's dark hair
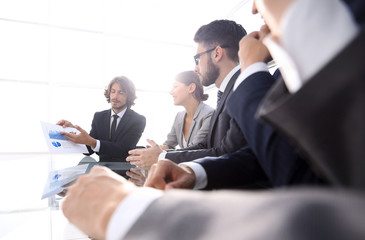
x,y
127,86
189,77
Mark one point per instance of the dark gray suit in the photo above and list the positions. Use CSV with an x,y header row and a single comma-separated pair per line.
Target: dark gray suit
x,y
325,118
224,134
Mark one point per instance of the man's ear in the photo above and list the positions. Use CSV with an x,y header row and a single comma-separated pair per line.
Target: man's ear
x,y
217,54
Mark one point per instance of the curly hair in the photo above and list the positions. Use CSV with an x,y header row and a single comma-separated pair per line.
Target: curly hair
x,y
127,86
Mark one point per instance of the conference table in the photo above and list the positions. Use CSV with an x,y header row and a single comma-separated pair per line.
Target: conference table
x,y
23,214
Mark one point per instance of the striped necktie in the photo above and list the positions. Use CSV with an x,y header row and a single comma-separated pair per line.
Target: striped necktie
x,y
219,96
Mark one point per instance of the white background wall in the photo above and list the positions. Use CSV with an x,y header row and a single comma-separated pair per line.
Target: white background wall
x,y
56,57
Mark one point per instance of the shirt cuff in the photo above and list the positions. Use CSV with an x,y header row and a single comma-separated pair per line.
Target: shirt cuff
x,y
162,155
200,174
97,147
129,210
253,68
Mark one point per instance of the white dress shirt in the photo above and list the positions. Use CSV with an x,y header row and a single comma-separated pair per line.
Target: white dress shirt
x,y
325,19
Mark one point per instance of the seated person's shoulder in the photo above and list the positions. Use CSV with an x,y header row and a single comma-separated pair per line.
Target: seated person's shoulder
x,y
102,113
137,115
206,109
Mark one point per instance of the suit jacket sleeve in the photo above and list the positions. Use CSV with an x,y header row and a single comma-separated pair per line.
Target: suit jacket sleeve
x,y
231,142
314,214
277,157
234,170
93,132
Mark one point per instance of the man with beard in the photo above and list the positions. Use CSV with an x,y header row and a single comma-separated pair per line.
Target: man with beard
x,y
114,131
216,63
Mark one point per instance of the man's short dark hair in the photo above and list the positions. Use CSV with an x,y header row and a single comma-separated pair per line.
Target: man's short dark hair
x,y
127,86
221,32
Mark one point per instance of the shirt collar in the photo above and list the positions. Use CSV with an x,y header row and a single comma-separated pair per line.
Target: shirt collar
x,y
228,77
120,115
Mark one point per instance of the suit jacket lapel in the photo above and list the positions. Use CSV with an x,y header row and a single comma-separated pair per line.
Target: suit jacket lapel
x,y
105,131
193,122
325,118
222,103
123,122
179,129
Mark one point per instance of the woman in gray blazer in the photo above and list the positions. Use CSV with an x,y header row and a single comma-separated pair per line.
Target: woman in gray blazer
x,y
190,126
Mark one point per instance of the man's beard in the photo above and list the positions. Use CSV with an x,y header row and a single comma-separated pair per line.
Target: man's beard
x,y
119,107
211,75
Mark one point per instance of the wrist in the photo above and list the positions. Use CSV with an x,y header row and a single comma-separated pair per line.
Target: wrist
x,y
91,142
111,207
192,177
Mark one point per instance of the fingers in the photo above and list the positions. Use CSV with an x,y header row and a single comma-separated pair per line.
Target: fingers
x,y
80,129
136,176
133,159
151,142
60,122
136,152
179,183
69,136
133,173
264,31
155,178
254,34
64,123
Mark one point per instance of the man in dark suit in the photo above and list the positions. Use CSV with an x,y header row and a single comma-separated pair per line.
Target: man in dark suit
x,y
216,63
330,132
114,131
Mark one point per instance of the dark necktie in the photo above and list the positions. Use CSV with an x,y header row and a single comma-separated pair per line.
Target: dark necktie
x,y
114,125
219,96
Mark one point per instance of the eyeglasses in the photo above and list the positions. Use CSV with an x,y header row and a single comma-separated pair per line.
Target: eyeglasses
x,y
197,57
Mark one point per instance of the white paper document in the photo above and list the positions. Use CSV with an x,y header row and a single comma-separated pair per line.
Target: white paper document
x,y
59,143
57,179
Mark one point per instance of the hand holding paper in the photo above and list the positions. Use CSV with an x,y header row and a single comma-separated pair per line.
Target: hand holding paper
x,y
82,138
57,142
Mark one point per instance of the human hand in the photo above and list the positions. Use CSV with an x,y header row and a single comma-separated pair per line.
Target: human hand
x,y
272,12
164,147
252,49
136,176
91,201
65,123
167,175
145,157
82,138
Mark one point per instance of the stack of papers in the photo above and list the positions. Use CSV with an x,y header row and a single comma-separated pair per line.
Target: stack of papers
x,y
59,178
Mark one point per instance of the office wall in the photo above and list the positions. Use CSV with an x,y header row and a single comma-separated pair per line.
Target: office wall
x,y
56,57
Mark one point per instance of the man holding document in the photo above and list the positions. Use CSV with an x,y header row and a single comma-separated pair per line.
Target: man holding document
x,y
114,131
